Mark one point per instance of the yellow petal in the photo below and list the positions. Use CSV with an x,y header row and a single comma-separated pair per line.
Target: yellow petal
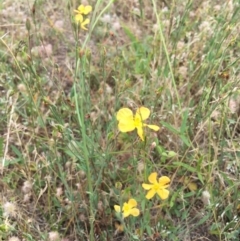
x,y
192,186
125,207
79,18
117,208
142,113
150,194
152,178
81,8
126,213
132,203
164,181
86,21
135,212
126,126
147,186
163,193
153,127
140,132
124,114
125,118
87,9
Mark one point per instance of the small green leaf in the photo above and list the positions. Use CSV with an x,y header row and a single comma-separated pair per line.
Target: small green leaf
x,y
170,127
186,166
16,151
172,154
185,140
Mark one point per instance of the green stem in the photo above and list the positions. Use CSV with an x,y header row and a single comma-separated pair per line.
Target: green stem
x,y
80,115
166,53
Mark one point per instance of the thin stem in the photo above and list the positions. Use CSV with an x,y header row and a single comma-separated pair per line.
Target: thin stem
x,y
166,52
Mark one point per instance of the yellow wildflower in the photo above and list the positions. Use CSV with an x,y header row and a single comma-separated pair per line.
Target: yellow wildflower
x,y
128,122
158,187
82,10
85,22
129,208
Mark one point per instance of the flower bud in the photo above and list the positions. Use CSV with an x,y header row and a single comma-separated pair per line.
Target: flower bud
x,y
118,185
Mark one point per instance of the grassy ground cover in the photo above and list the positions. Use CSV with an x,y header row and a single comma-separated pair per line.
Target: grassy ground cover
x,y
120,120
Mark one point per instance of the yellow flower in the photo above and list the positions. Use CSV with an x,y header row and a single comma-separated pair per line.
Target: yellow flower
x,y
82,10
129,208
158,187
86,21
128,122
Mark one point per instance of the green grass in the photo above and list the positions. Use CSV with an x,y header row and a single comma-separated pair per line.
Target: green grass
x,y
60,134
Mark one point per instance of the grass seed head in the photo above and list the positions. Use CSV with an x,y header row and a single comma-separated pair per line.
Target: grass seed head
x,y
9,209
54,236
14,238
206,197
27,187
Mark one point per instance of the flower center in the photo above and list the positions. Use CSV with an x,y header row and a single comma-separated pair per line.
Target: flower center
x,y
126,208
156,186
138,122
